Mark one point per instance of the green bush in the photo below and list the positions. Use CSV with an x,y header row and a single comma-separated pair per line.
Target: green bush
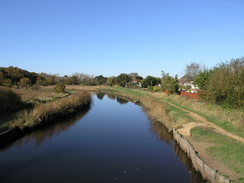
x,y
150,88
156,88
59,87
9,99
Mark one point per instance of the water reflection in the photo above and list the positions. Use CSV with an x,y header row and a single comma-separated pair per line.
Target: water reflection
x,y
121,100
110,96
47,131
109,144
162,134
100,95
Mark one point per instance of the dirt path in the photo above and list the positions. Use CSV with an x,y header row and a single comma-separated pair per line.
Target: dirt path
x,y
200,147
203,123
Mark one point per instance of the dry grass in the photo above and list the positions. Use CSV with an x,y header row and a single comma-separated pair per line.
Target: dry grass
x,y
50,111
85,88
170,116
211,111
9,100
39,96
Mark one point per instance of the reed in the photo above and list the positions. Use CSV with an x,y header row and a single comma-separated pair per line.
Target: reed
x,y
50,111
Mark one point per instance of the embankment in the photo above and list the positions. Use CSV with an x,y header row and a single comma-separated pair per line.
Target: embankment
x,y
29,120
207,172
156,110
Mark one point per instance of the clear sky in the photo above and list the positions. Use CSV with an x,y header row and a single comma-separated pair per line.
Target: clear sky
x,y
110,37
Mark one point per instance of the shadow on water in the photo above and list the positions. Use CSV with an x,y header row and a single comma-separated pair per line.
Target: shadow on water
x,y
162,134
157,130
48,130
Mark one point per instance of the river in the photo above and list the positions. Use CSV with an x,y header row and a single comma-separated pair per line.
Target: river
x,y
112,141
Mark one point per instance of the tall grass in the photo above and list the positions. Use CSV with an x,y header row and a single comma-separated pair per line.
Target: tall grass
x,y
231,120
46,112
39,96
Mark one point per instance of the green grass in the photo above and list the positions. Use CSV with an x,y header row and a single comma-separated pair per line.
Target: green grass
x,y
227,150
223,124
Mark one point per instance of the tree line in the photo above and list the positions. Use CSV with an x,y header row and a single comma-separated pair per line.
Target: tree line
x,y
222,84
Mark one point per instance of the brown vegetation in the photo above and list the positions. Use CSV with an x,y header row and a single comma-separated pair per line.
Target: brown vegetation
x,y
10,100
51,111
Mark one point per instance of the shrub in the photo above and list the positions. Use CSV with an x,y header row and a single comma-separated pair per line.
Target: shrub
x,y
150,88
25,83
35,87
59,87
156,88
9,99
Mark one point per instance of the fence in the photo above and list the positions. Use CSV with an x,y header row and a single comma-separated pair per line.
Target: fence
x,y
207,172
190,95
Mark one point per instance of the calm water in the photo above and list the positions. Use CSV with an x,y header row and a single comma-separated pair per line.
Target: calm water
x,y
114,141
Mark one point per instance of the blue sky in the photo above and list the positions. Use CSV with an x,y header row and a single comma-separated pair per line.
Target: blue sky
x,y
110,37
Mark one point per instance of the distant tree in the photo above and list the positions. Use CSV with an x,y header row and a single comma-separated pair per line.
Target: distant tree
x,y
111,81
51,79
74,80
192,70
10,76
123,79
99,80
152,81
169,83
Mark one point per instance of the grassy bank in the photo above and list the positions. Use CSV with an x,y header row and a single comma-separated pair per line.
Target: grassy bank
x,y
158,106
224,148
47,106
232,120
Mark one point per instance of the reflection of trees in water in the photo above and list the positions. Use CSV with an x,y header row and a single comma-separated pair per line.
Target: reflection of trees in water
x,y
158,130
122,101
47,131
111,96
100,95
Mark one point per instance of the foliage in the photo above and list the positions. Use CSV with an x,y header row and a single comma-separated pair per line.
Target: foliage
x,y
59,87
111,81
99,80
9,99
203,77
226,85
24,83
169,83
10,76
150,88
122,79
156,88
152,81
191,71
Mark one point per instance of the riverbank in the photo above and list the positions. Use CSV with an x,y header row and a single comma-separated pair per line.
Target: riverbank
x,y
203,129
215,134
27,120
